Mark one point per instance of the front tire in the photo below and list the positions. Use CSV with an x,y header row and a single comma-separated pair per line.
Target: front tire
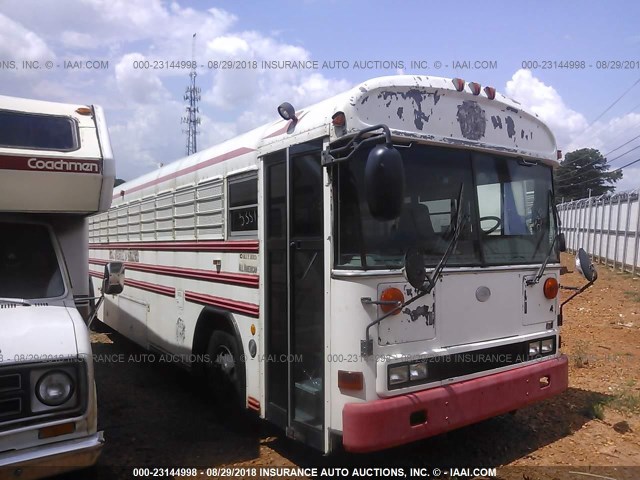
x,y
225,371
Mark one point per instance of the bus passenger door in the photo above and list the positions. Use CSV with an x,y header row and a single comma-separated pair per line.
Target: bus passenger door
x,y
295,292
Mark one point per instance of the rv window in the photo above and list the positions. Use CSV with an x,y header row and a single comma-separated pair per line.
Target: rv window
x,y
28,264
243,205
37,132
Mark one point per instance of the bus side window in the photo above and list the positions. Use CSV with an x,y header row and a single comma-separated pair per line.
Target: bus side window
x,y
243,205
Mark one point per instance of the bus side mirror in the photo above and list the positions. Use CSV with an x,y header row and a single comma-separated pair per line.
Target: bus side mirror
x,y
384,182
562,243
585,267
415,269
113,281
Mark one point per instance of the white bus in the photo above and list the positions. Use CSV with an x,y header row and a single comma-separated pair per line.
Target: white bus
x,y
56,167
276,262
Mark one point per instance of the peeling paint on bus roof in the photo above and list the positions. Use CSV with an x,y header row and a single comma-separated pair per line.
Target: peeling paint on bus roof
x,y
511,129
417,97
472,121
497,121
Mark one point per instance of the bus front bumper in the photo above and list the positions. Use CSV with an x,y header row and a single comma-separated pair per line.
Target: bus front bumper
x,y
51,459
389,422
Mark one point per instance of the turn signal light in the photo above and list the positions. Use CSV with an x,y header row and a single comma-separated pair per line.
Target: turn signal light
x,y
350,380
338,119
475,88
392,298
551,288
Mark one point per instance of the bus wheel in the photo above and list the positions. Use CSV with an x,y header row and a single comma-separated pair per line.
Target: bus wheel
x,y
225,370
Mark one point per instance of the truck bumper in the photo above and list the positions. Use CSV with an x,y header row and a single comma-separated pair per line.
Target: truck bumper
x,y
52,459
388,422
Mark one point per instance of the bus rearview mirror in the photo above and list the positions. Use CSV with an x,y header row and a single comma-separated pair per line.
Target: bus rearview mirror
x,y
384,182
585,267
113,281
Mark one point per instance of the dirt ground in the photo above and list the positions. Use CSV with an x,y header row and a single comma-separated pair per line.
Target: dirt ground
x,y
157,415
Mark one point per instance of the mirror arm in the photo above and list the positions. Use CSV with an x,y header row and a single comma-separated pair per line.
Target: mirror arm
x,y
582,289
328,156
94,314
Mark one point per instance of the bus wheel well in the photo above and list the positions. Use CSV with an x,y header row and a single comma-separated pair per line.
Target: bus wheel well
x,y
210,320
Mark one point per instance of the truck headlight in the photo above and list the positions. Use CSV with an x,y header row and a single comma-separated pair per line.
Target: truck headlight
x,y
398,374
54,388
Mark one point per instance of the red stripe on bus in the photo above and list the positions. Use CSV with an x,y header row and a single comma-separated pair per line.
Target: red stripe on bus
x,y
207,163
150,287
241,279
253,404
250,309
246,246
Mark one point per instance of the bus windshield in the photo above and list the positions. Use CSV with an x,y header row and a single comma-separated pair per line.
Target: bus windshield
x,y
507,202
28,263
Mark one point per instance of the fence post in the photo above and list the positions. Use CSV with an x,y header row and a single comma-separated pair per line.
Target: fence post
x,y
606,252
615,243
626,230
635,241
601,232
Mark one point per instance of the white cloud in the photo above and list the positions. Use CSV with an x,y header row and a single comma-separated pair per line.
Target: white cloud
x,y
137,84
546,102
144,106
19,43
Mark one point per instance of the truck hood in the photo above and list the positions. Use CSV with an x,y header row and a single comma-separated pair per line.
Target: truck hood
x,y
35,333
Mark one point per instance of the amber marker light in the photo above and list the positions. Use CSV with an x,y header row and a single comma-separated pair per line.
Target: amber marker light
x,y
392,298
550,288
57,430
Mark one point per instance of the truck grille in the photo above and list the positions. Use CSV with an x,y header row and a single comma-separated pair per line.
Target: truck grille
x,y
15,394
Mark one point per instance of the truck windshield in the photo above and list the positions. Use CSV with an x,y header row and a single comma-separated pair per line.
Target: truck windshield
x,y
506,201
28,264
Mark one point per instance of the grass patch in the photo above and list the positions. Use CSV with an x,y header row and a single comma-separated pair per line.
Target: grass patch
x,y
581,355
632,295
626,401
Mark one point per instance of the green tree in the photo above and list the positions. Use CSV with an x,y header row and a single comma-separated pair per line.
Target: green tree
x,y
584,172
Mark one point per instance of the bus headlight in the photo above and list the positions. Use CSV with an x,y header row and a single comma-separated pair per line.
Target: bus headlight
x,y
54,388
418,371
534,348
398,374
546,346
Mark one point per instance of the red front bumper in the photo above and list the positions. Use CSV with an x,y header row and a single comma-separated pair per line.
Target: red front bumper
x,y
386,423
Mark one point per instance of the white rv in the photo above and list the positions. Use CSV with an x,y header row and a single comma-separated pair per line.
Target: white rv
x,y
56,167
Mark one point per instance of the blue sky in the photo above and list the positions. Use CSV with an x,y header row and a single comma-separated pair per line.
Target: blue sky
x,y
144,106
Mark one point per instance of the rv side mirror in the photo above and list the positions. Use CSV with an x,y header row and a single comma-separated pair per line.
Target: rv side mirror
x,y
585,267
562,243
384,182
113,281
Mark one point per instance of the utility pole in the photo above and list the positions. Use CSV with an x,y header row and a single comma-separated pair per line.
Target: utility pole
x,y
192,97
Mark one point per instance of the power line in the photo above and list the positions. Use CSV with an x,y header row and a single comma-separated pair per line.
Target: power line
x,y
607,109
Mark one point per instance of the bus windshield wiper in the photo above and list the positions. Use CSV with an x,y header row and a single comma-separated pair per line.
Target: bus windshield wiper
x,y
556,218
20,301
